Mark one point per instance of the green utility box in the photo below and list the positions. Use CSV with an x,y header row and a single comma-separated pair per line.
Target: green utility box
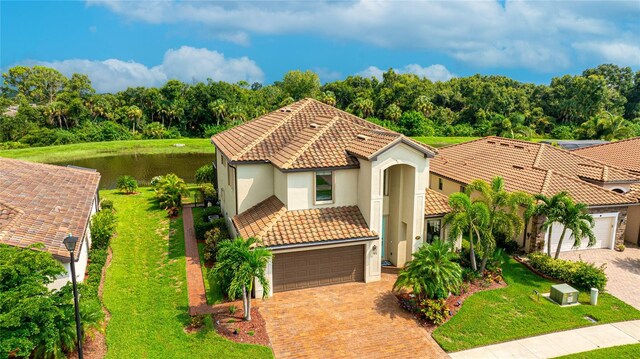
x,y
564,294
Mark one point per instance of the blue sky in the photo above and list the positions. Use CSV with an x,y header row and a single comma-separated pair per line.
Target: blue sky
x,y
120,44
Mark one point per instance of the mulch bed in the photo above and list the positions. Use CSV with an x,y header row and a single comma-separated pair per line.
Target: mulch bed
x,y
233,327
453,300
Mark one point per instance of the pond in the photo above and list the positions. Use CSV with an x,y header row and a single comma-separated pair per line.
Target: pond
x,y
143,167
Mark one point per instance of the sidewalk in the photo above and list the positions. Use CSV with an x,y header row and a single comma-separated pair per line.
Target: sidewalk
x,y
195,283
560,343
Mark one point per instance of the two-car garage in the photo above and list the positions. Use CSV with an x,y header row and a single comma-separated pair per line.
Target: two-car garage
x,y
604,231
318,267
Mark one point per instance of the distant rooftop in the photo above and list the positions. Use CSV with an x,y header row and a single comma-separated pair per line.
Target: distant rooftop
x,y
574,144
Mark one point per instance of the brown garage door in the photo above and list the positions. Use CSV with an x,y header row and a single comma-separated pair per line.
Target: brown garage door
x,y
314,268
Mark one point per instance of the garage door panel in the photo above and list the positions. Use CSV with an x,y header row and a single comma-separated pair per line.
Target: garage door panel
x,y
603,231
319,267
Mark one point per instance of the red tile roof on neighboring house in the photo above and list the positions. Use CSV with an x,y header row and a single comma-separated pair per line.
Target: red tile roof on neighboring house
x,y
272,223
436,204
309,134
531,167
623,154
42,203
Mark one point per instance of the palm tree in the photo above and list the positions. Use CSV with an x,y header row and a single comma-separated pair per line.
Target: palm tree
x,y
393,112
503,219
432,273
467,216
329,98
134,114
551,208
169,191
247,263
576,219
362,107
424,105
219,110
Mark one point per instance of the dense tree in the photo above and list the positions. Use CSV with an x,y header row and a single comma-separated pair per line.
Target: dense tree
x,y
299,85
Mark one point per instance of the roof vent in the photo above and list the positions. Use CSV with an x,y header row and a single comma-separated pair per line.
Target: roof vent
x,y
362,137
314,125
504,144
285,109
491,142
518,146
518,167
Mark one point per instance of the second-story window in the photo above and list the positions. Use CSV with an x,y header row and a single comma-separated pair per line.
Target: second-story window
x,y
385,186
231,177
440,184
324,186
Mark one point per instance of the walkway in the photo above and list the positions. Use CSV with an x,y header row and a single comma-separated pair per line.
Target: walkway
x,y
354,320
623,268
195,283
560,343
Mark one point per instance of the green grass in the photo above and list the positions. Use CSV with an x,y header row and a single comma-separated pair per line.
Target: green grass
x,y
509,313
145,289
620,352
104,149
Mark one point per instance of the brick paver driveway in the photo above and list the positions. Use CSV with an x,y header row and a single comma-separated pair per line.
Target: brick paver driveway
x,y
354,320
623,270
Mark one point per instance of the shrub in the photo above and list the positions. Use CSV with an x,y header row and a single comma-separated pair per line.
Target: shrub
x,y
169,190
205,174
127,184
106,204
197,320
103,225
156,130
511,246
97,259
435,310
12,145
232,309
580,274
208,211
201,228
208,191
212,239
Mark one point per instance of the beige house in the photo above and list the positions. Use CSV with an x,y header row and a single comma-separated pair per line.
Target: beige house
x,y
42,204
332,195
622,154
540,168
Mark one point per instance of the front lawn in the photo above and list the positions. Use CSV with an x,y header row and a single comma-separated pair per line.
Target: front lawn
x,y
145,289
510,313
623,351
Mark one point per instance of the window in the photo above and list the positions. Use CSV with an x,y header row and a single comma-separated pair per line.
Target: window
x,y
462,189
222,160
440,184
433,230
231,177
385,183
324,186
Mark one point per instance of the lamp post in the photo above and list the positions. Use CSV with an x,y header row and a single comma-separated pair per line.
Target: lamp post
x,y
70,242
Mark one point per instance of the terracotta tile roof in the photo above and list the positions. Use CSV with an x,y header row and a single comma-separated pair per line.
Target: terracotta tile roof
x,y
46,202
308,134
635,191
436,204
271,222
530,167
623,154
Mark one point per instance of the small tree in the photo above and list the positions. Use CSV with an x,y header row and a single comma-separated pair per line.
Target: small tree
x,y
576,219
205,174
169,190
127,184
103,225
467,216
432,273
551,208
246,263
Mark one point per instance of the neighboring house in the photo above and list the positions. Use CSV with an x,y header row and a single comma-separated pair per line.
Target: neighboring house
x,y
42,203
623,154
332,195
540,168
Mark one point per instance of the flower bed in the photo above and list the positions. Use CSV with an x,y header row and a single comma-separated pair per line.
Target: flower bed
x,y
233,327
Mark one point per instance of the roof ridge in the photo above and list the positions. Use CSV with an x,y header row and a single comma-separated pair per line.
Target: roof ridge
x,y
586,183
547,180
605,173
311,141
536,162
281,212
273,128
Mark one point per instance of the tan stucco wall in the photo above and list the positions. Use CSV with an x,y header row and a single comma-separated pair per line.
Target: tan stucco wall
x,y
225,193
280,185
301,189
255,183
632,231
448,186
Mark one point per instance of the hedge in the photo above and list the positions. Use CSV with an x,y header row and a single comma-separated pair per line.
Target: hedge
x,y
580,274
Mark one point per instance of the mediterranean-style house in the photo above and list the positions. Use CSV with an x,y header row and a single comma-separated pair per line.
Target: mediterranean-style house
x,y
541,168
42,203
623,154
332,195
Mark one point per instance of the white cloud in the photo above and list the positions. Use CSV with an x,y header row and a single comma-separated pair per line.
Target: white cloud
x,y
185,64
517,33
434,73
620,53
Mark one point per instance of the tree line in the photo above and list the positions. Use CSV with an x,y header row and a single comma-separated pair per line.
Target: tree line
x,y
39,106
